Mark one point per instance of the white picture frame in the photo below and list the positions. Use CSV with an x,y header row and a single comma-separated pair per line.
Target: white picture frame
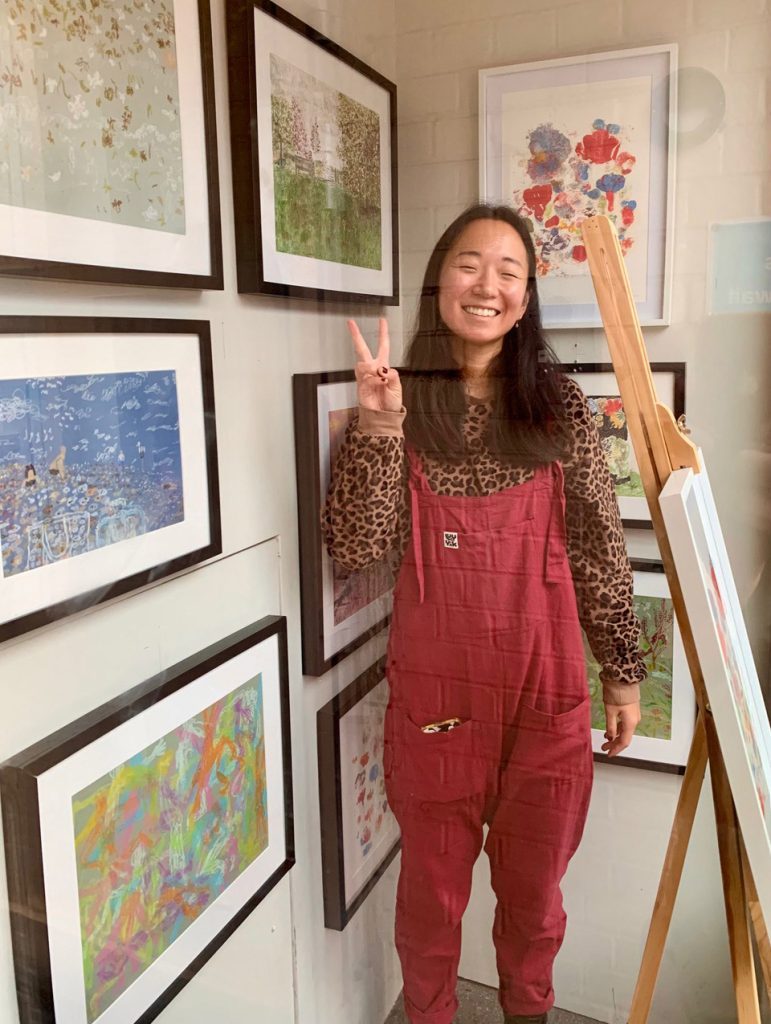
x,y
725,656
557,110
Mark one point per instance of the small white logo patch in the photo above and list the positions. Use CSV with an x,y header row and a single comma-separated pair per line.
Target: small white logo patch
x,y
451,541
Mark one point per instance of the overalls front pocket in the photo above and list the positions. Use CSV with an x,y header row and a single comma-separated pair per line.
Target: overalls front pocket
x,y
556,747
436,767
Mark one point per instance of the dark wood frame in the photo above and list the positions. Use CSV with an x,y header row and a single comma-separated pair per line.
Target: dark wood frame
x,y
108,325
336,913
18,266
309,504
244,112
678,372
643,565
23,849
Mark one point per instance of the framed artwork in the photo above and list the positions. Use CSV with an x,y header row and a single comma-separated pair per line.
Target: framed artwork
x,y
598,382
359,834
108,153
313,135
138,838
565,139
726,660
667,699
108,460
341,609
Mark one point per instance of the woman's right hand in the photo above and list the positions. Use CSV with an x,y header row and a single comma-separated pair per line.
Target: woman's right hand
x,y
378,383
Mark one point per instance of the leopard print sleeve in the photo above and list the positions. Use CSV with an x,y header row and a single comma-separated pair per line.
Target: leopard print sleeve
x,y
598,558
364,518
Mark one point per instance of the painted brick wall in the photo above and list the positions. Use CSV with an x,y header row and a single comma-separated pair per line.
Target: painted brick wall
x,y
441,45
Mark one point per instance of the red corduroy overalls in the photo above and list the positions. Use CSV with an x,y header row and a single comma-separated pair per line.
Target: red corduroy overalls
x,y
485,628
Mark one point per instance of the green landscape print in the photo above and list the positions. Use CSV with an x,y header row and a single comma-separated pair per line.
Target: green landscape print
x,y
326,170
656,617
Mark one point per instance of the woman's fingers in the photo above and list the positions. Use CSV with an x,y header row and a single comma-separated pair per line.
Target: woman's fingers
x,y
362,348
383,343
363,353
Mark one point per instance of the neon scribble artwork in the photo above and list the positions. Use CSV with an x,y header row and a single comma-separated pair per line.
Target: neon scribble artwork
x,y
160,837
572,176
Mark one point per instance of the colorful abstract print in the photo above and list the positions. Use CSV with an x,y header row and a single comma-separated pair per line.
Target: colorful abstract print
x,y
86,462
573,178
160,837
89,111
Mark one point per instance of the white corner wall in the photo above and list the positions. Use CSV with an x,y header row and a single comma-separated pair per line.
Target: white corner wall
x,y
441,45
281,966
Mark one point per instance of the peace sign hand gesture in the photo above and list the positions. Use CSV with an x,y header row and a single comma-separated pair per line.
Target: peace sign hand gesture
x,y
379,385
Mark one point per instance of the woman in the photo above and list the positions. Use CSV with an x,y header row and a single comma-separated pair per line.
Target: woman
x,y
492,493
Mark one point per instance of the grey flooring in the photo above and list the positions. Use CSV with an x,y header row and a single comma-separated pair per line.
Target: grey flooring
x,y
479,1005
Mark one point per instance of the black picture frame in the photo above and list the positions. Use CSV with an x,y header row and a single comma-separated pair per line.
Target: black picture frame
x,y
680,668
247,110
41,267
316,568
338,907
676,370
21,778
16,622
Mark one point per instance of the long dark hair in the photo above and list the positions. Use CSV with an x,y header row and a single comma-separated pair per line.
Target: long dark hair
x,y
528,425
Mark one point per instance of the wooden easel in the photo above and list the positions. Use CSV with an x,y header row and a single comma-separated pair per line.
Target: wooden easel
x,y
660,447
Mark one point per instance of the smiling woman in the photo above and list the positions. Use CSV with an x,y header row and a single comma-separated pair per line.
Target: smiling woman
x,y
483,290
490,495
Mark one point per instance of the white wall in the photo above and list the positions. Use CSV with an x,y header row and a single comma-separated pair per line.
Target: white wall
x,y
441,44
281,966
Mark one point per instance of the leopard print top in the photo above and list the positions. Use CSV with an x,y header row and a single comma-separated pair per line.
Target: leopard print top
x,y
367,518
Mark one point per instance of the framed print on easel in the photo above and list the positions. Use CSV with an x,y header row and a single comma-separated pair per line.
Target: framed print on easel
x,y
108,461
341,608
108,152
313,138
599,384
562,140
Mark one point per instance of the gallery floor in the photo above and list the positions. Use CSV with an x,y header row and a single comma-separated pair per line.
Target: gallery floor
x,y
479,1005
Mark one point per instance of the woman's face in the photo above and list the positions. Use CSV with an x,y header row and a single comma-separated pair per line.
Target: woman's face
x,y
483,282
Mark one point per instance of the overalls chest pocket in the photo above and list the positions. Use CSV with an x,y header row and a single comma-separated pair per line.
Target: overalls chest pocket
x,y
454,541
433,767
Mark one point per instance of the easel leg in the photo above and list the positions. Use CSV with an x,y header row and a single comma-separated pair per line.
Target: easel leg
x,y
758,922
671,874
729,845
